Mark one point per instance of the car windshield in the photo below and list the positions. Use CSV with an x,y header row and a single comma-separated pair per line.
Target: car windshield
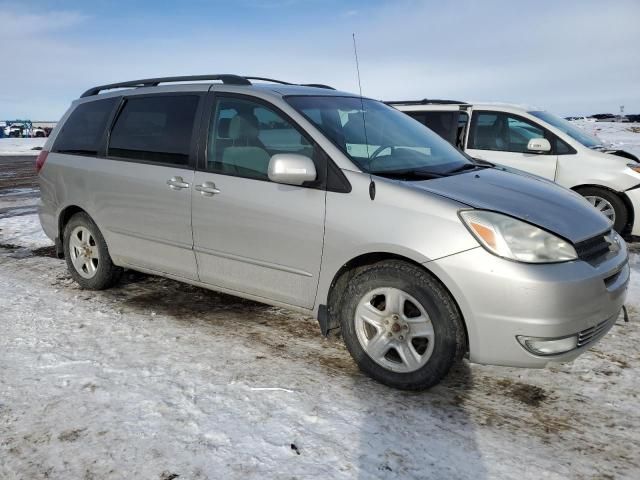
x,y
567,127
380,139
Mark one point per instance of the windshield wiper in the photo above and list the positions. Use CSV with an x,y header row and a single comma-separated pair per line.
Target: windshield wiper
x,y
407,174
462,168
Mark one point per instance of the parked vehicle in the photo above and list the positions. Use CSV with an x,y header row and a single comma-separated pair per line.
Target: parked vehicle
x,y
334,205
14,130
38,132
541,143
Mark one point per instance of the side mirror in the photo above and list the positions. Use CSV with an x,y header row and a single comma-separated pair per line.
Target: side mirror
x,y
291,169
539,145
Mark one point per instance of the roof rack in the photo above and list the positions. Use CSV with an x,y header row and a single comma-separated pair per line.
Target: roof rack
x,y
426,101
153,82
316,85
227,79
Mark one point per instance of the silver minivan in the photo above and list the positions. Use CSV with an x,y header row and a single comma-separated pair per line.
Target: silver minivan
x,y
339,206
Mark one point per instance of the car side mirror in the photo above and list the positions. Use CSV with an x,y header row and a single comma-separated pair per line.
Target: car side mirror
x,y
539,145
291,169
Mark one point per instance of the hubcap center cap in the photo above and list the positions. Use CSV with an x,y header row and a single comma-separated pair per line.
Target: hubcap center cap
x,y
395,328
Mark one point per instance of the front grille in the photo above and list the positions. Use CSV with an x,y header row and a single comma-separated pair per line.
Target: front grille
x,y
594,247
591,334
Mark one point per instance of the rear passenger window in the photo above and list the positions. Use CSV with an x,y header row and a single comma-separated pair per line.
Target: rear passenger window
x,y
245,135
83,130
444,124
155,129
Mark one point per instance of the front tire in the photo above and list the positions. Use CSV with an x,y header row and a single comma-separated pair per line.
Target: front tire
x,y
609,204
87,256
401,326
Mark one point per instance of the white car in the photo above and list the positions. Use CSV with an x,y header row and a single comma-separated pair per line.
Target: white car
x,y
541,143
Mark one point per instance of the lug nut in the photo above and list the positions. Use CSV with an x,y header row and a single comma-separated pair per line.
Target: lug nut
x,y
389,334
395,317
401,337
405,327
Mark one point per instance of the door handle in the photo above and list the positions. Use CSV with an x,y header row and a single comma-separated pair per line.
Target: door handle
x,y
207,189
177,183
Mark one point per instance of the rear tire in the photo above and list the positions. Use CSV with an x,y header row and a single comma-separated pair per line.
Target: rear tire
x,y
87,256
401,326
605,200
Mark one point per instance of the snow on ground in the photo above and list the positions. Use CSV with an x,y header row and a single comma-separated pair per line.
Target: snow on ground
x,y
20,146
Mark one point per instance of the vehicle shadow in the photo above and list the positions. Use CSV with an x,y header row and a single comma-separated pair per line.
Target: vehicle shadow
x,y
425,435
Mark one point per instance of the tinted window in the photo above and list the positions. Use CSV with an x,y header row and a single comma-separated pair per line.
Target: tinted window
x,y
83,130
502,132
444,124
157,129
245,134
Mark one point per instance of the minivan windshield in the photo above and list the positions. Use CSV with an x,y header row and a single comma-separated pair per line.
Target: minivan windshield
x,y
379,139
567,127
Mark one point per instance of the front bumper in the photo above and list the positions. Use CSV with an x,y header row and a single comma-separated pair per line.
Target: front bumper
x,y
501,300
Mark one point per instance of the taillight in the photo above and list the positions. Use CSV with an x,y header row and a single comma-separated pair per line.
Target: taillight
x,y
40,160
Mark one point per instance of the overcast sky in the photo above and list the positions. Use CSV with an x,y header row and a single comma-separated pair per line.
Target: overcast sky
x,y
572,57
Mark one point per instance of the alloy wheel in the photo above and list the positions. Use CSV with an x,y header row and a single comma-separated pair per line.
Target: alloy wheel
x,y
84,252
603,206
394,330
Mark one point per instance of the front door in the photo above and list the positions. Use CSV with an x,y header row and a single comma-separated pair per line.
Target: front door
x,y
502,138
252,235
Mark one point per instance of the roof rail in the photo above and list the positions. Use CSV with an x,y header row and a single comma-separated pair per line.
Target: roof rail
x,y
316,85
153,82
225,78
426,101
273,80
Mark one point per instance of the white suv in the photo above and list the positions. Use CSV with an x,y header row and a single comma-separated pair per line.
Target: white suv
x,y
544,144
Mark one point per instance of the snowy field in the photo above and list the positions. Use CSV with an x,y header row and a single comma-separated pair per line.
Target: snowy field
x,y
20,146
623,136
155,379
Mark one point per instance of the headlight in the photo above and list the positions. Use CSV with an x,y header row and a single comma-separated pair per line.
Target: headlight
x,y
507,237
634,166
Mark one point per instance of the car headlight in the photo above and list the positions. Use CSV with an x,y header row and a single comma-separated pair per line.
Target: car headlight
x,y
507,237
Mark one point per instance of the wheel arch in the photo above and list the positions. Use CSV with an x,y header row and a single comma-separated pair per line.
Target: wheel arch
x,y
625,199
331,322
63,218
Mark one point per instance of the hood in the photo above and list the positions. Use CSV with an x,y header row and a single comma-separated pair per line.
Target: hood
x,y
529,198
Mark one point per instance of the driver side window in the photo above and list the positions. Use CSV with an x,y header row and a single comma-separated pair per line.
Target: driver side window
x,y
502,132
244,135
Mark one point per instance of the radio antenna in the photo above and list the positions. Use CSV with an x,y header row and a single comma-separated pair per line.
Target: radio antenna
x,y
372,185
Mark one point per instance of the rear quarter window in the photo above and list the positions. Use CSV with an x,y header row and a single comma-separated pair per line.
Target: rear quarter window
x,y
155,129
83,131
